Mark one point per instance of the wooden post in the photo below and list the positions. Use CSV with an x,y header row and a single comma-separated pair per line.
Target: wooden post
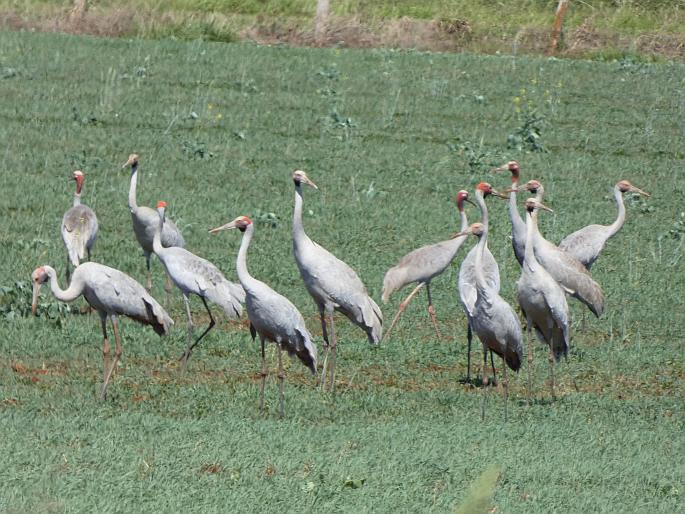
x,y
556,30
79,9
321,20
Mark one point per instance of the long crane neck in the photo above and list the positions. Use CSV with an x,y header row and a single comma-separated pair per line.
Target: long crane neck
x,y
77,199
480,201
513,208
621,218
464,221
298,227
132,204
64,295
531,228
157,246
481,283
246,280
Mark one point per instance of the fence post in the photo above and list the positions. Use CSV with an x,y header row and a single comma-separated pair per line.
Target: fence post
x,y
321,20
556,29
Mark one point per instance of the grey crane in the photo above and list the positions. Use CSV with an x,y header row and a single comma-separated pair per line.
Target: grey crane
x,y
333,285
195,275
423,265
467,272
542,301
79,226
112,294
145,221
492,319
271,315
518,226
587,243
568,271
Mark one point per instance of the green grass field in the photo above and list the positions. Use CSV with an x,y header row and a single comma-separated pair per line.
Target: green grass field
x,y
389,137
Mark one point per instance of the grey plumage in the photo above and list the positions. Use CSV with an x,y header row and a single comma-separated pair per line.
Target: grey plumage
x,y
271,314
145,220
112,293
542,301
79,227
518,227
195,275
423,265
332,283
587,243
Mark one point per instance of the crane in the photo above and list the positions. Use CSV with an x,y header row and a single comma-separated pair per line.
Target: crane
x,y
492,319
587,243
271,315
112,294
79,226
423,265
542,301
467,272
518,226
333,285
195,275
568,271
145,221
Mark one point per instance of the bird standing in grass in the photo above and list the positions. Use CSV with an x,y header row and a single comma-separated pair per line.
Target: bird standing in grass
x,y
193,274
587,243
467,272
79,226
271,315
145,221
423,265
542,301
492,319
112,294
333,285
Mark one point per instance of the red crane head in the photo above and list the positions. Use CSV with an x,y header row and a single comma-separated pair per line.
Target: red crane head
x,y
80,178
241,223
511,166
463,196
38,277
486,189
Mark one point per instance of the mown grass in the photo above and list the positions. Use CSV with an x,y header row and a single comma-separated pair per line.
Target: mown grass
x,y
389,137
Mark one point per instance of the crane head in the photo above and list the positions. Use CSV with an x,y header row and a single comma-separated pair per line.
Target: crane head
x,y
463,196
477,229
132,160
486,189
80,178
511,166
533,186
624,186
300,177
532,204
241,223
38,277
161,207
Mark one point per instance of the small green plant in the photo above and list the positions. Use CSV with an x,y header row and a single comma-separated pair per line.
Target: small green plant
x,y
267,219
196,150
478,157
15,302
528,136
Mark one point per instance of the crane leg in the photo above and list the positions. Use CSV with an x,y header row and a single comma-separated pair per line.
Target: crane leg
x,y
403,306
494,372
469,338
186,302
189,350
265,372
149,273
506,389
281,383
105,347
484,392
68,270
117,355
322,317
529,329
551,371
334,354
431,312
168,288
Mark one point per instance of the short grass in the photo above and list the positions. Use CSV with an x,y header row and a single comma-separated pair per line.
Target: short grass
x,y
389,137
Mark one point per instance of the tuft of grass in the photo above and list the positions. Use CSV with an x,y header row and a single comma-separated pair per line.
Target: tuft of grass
x,y
480,493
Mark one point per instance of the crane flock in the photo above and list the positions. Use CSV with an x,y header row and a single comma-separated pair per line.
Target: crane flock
x,y
549,273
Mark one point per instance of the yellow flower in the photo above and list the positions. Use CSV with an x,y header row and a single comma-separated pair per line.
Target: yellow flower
x,y
516,100
219,116
210,107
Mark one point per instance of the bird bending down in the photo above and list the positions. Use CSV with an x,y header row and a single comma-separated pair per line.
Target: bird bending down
x,y
145,221
587,243
195,275
467,273
492,319
542,301
271,315
112,294
333,285
569,273
79,226
423,265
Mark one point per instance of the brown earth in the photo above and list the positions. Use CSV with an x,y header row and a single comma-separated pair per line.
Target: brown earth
x,y
438,35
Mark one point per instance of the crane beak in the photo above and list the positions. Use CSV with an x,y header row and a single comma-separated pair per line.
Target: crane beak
x,y
504,167
227,226
459,234
543,207
34,300
497,193
128,163
639,191
309,182
471,202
